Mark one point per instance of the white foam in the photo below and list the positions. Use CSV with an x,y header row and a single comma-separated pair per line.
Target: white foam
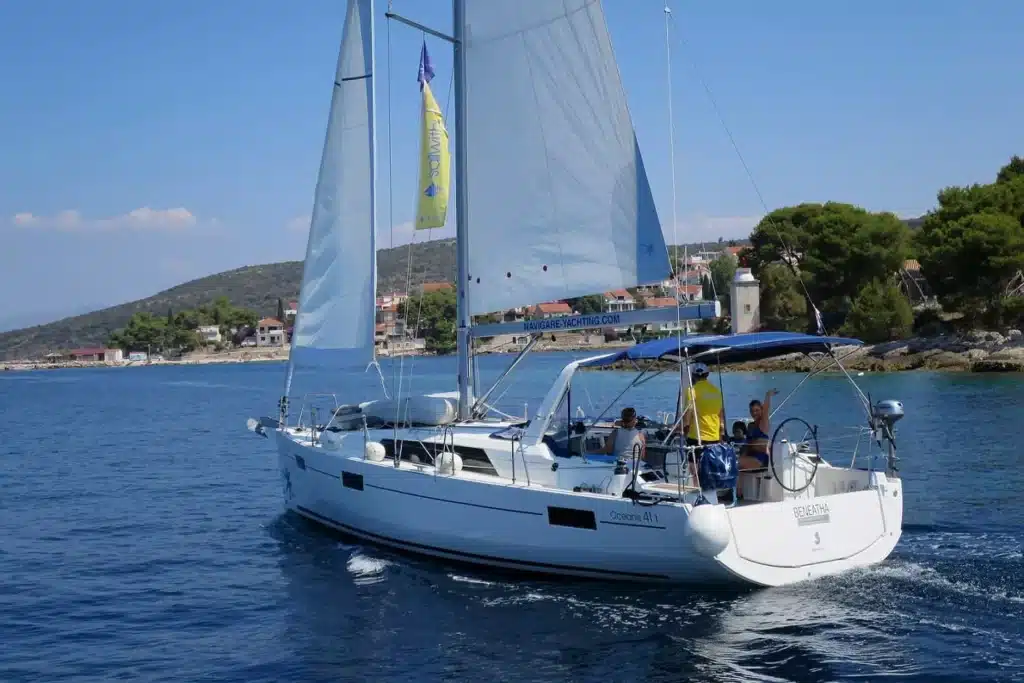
x,y
365,569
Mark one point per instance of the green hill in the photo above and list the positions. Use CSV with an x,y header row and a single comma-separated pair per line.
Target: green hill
x,y
254,287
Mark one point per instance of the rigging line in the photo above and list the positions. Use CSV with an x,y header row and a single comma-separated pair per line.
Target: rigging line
x,y
753,183
395,389
672,166
680,279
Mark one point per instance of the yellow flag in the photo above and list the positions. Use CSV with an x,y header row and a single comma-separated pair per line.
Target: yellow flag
x,y
432,207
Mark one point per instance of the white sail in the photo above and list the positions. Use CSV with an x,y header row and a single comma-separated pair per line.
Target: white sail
x,y
559,204
335,323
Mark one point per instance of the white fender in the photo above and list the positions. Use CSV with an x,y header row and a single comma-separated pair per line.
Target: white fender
x,y
708,529
448,463
375,451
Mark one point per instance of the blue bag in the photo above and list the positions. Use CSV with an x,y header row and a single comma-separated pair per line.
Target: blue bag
x,y
719,467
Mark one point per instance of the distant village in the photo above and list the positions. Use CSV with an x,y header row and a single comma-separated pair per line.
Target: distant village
x,y
394,336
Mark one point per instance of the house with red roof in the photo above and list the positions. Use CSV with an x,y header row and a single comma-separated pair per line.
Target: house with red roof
x,y
270,332
618,300
551,309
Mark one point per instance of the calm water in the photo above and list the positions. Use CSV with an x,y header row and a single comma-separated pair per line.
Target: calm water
x,y
142,538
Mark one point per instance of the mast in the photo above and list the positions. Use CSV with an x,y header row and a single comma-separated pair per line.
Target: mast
x,y
461,233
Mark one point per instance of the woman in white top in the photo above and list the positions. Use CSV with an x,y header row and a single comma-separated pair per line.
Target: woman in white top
x,y
622,440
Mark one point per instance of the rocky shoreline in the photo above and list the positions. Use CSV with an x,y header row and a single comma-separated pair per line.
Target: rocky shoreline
x,y
976,351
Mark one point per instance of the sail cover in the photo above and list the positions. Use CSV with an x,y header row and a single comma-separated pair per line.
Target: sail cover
x,y
559,202
335,322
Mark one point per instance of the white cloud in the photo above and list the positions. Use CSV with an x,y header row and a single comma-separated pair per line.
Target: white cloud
x,y
25,219
144,219
298,224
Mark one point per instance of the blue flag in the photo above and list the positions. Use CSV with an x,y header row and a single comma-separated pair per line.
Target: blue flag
x,y
426,71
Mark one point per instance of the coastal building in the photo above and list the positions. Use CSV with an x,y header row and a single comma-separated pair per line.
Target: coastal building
x,y
669,327
913,284
514,315
745,296
210,334
391,298
734,251
270,332
103,355
691,293
618,301
402,347
550,309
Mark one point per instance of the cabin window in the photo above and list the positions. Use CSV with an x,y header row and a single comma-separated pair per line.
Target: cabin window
x,y
352,481
578,519
473,459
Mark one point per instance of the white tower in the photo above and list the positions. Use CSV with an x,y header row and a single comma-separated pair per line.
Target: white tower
x,y
745,298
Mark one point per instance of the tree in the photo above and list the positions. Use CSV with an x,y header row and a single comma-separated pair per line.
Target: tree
x,y
1012,170
146,332
707,289
586,305
142,333
723,270
433,314
972,245
834,248
783,304
280,310
880,313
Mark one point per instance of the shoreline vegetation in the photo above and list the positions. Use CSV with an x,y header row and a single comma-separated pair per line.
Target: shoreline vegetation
x,y
977,351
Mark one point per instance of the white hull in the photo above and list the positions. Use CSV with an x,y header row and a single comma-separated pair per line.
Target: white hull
x,y
489,520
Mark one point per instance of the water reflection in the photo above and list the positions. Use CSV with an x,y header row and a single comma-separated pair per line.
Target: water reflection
x,y
395,615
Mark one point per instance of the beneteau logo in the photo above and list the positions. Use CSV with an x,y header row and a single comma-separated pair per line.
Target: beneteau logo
x,y
815,513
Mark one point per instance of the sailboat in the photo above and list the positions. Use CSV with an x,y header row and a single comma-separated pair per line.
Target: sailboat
x,y
552,202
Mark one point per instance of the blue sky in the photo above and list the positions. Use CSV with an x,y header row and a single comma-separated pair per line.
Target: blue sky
x,y
143,144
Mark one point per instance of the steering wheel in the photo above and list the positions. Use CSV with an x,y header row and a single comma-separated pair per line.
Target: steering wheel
x,y
798,453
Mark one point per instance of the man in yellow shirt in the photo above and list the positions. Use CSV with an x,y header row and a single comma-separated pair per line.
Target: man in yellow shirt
x,y
704,414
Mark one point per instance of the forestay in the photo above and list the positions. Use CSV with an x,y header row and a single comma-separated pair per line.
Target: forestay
x,y
559,203
335,324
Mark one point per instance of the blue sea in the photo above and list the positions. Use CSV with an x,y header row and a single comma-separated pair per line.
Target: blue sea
x,y
142,538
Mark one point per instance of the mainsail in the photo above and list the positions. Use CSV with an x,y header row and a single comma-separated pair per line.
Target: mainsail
x,y
559,204
335,323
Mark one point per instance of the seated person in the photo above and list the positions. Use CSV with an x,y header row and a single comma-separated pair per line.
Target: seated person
x,y
621,441
755,452
739,434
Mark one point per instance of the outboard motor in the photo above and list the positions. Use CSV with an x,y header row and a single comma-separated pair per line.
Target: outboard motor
x,y
884,416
